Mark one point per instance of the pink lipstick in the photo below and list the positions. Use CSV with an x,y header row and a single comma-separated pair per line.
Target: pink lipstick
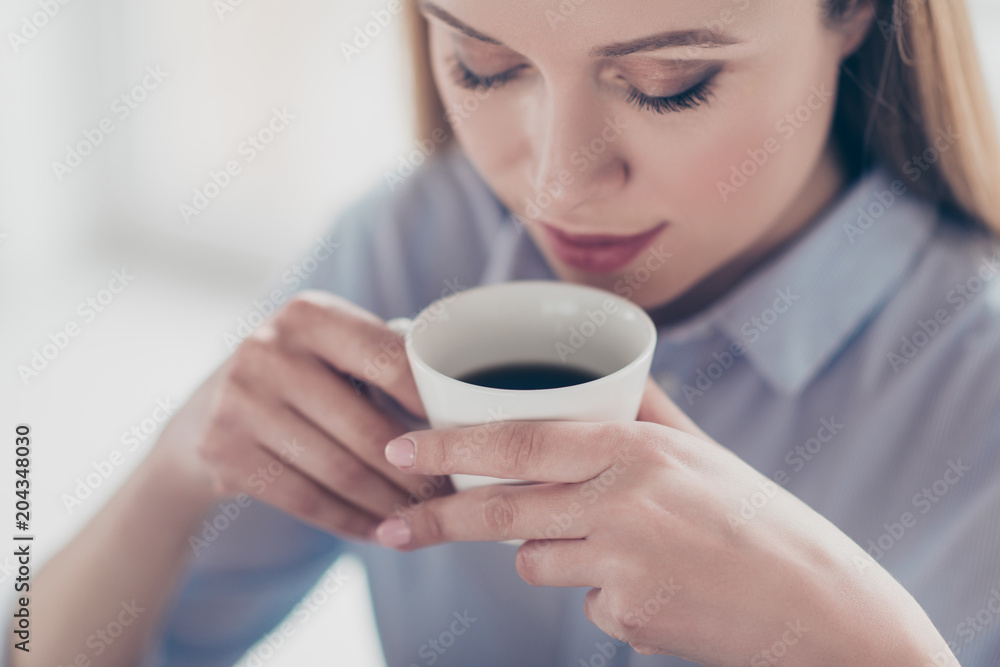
x,y
598,253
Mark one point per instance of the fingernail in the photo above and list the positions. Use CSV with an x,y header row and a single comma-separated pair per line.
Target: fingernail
x,y
394,533
400,452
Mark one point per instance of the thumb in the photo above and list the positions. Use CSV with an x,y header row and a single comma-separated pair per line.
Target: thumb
x,y
657,407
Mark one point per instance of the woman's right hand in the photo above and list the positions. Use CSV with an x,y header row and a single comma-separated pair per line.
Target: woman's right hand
x,y
282,422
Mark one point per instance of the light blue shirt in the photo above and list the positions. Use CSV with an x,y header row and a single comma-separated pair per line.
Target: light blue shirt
x,y
866,382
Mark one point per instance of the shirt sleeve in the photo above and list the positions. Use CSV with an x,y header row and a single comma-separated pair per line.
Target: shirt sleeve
x,y
246,574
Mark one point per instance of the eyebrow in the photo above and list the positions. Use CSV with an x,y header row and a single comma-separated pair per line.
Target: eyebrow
x,y
691,38
703,38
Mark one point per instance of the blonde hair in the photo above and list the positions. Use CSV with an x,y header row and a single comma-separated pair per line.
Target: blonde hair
x,y
915,80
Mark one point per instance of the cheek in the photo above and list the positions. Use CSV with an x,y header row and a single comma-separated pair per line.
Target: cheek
x,y
487,123
735,176
491,133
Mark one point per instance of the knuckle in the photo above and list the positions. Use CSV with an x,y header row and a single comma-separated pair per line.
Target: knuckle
x,y
389,361
607,611
352,524
433,527
631,443
500,512
225,485
626,623
210,452
624,435
227,416
675,451
441,459
221,445
461,454
305,503
350,477
297,313
253,358
515,447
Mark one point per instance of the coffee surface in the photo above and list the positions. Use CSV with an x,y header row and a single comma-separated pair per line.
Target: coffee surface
x,y
529,376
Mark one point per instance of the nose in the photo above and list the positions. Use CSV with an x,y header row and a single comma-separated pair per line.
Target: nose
x,y
579,154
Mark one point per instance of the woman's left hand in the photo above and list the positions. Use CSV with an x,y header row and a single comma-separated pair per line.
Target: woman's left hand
x,y
689,550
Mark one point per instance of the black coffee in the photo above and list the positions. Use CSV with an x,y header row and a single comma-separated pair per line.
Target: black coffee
x,y
529,376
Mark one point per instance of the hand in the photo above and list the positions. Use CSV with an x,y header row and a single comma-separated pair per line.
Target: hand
x,y
281,421
651,515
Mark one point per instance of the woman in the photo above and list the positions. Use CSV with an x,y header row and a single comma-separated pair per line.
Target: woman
x,y
802,193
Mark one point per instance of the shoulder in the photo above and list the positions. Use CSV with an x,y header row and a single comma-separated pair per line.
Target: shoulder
x,y
398,244
436,198
951,299
935,346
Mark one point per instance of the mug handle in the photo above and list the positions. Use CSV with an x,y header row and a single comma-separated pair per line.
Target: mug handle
x,y
401,326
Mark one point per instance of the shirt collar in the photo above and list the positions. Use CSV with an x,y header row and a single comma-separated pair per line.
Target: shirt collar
x,y
828,283
795,314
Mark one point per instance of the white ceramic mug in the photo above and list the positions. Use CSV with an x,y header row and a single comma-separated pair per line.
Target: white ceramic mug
x,y
518,323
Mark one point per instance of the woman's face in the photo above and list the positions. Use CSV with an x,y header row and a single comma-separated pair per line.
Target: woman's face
x,y
649,146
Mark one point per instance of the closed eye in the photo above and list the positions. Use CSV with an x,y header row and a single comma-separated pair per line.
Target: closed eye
x,y
689,99
469,79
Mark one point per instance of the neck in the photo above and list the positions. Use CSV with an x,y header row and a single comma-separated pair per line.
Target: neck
x,y
822,189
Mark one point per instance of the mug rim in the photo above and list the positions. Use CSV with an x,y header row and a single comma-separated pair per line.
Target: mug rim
x,y
647,351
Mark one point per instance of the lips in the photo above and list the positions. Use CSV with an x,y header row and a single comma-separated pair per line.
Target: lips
x,y
598,253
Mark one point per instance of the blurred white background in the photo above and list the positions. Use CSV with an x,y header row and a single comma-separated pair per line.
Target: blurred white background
x,y
225,66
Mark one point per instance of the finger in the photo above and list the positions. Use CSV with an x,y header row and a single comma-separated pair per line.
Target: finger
x,y
354,341
298,495
329,402
296,442
490,513
559,562
534,451
657,407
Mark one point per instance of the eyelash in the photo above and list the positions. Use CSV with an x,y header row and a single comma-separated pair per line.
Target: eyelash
x,y
689,99
468,79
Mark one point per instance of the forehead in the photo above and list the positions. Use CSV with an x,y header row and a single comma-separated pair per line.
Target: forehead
x,y
579,27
